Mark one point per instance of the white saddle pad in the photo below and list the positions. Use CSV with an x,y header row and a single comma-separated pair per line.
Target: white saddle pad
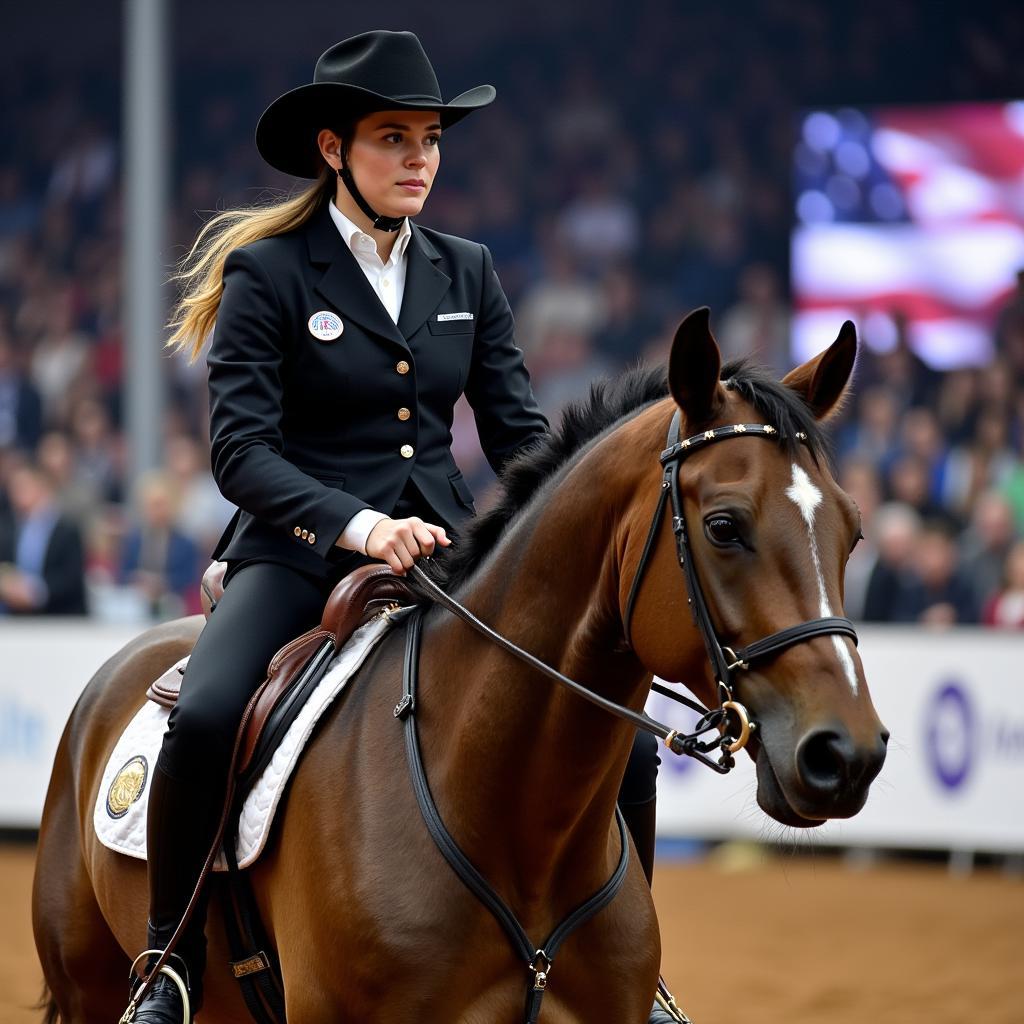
x,y
119,816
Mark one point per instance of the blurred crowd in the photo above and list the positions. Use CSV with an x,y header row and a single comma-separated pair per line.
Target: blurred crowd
x,y
625,175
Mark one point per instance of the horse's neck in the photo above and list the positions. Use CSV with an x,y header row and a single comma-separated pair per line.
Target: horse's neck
x,y
524,769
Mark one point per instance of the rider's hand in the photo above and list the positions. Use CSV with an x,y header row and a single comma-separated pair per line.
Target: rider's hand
x,y
399,542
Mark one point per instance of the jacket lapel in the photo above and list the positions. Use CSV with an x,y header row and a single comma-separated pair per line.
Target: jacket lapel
x,y
425,283
343,284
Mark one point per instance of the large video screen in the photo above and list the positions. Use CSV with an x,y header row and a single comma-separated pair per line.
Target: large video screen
x,y
908,219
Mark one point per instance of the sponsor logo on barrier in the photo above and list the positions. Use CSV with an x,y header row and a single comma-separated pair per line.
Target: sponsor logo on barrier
x,y
950,735
22,729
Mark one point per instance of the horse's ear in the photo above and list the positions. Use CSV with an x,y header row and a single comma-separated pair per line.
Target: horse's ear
x,y
694,366
821,382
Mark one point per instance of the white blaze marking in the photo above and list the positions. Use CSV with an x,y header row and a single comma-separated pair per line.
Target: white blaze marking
x,y
807,498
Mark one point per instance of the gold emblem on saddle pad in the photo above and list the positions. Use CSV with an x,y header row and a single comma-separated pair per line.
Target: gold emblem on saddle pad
x,y
127,786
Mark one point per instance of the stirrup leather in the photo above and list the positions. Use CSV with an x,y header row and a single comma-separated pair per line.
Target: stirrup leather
x,y
129,1014
667,1002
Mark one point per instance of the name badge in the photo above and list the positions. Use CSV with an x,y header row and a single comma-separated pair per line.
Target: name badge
x,y
442,317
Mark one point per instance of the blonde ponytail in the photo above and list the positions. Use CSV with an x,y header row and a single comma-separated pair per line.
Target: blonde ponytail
x,y
201,272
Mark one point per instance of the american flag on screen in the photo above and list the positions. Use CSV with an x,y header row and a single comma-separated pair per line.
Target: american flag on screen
x,y
914,212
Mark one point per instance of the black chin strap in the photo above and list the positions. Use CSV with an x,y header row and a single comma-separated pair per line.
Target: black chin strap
x,y
380,222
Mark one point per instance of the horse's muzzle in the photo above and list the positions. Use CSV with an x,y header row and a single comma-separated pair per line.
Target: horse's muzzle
x,y
833,772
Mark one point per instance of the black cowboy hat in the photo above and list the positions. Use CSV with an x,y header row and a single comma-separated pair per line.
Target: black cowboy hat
x,y
376,70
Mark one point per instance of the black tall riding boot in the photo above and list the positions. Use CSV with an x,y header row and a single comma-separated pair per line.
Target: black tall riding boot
x,y
181,824
641,820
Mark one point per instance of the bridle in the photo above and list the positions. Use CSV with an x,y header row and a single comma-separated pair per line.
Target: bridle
x,y
725,660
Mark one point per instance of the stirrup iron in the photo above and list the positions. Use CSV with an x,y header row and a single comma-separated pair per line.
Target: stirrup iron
x,y
129,1014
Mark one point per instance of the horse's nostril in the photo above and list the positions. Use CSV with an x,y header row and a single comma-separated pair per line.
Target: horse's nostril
x,y
823,761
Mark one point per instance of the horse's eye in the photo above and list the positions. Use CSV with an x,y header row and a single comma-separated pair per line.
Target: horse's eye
x,y
722,530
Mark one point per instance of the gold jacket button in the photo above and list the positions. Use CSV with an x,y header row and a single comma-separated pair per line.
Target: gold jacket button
x,y
311,538
407,451
304,534
403,413
297,531
402,366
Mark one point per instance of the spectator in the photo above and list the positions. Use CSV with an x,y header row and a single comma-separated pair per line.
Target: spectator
x,y
872,434
937,594
156,557
569,364
97,450
21,411
60,357
75,495
987,461
895,533
203,511
562,299
41,557
910,482
629,320
599,226
1006,607
985,545
758,325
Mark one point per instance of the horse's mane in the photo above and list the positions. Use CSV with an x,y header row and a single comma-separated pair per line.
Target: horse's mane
x,y
609,401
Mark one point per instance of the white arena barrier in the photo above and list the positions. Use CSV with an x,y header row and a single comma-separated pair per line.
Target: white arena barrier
x,y
953,701
954,775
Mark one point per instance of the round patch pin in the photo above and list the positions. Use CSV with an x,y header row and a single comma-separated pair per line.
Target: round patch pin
x,y
325,325
127,786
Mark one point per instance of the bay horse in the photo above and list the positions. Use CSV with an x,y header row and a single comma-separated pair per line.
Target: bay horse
x,y
369,921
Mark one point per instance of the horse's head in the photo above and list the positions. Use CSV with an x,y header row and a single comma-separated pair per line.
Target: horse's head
x,y
769,533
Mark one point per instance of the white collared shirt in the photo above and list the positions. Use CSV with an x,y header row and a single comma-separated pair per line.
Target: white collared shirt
x,y
388,281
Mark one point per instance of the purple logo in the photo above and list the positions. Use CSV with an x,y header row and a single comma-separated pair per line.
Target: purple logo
x,y
949,736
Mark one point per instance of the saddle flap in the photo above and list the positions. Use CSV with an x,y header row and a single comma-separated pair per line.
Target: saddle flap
x,y
211,590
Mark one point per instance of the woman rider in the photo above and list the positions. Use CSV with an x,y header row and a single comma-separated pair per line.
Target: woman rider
x,y
345,334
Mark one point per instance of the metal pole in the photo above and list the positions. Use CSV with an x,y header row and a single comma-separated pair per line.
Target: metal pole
x,y
145,215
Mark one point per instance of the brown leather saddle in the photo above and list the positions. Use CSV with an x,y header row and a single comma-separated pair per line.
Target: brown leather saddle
x,y
360,595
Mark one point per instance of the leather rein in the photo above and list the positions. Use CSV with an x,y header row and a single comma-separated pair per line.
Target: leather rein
x,y
726,661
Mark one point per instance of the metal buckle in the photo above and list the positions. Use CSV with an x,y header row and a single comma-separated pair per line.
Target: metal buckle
x,y
540,974
736,662
250,965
